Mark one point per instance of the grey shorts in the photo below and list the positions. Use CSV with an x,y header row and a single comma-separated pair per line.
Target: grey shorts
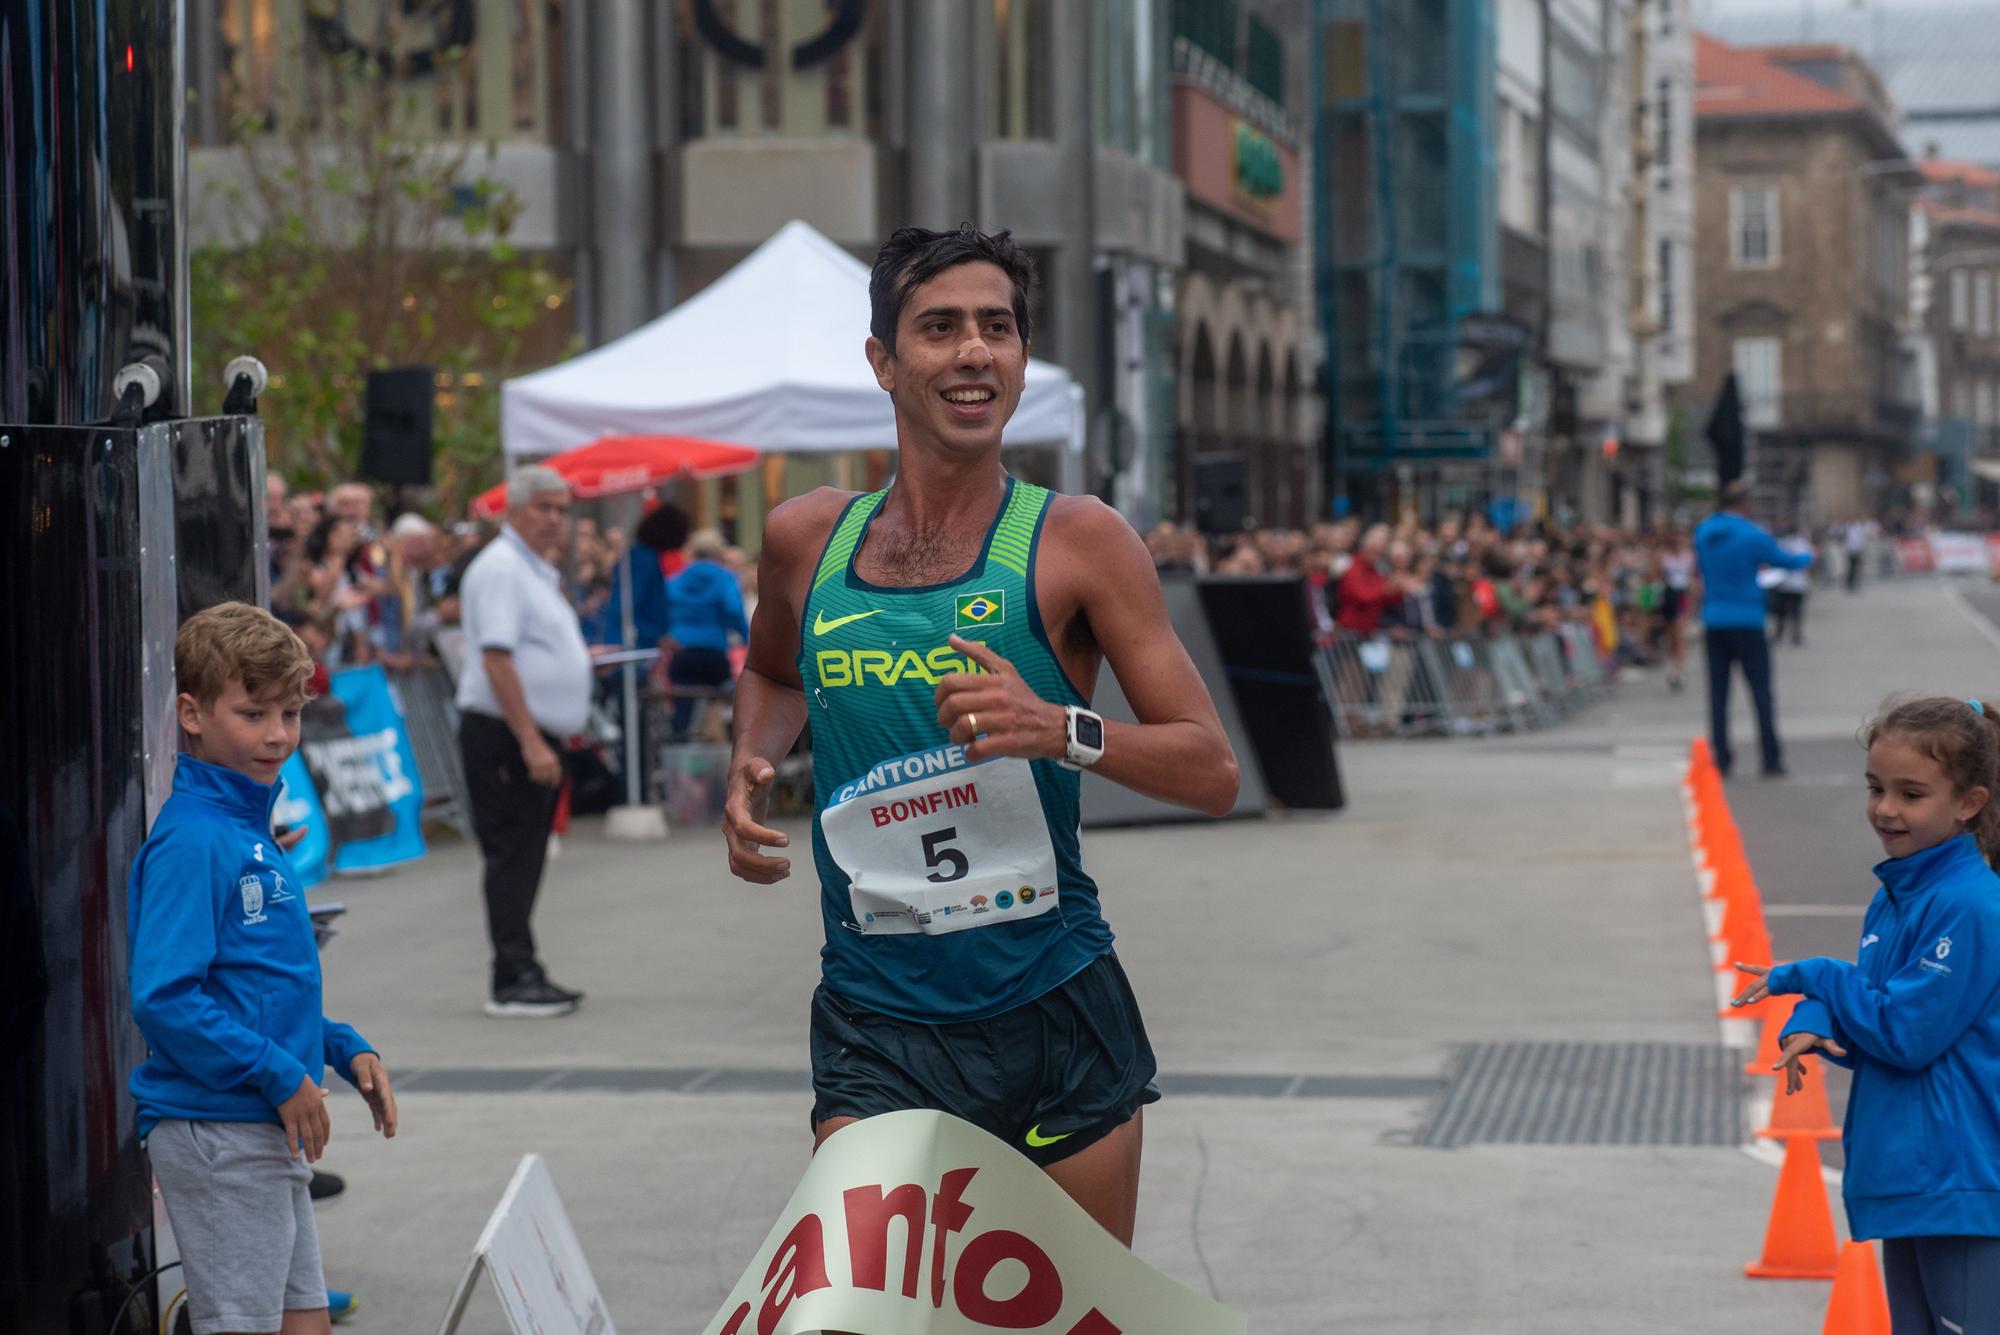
x,y
243,1220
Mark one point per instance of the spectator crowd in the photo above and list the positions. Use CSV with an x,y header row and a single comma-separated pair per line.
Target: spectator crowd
x,y
359,592
1465,577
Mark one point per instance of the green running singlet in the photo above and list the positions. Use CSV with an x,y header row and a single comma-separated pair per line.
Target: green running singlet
x,y
949,891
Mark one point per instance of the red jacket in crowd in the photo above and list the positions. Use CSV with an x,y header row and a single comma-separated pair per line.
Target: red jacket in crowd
x,y
1364,595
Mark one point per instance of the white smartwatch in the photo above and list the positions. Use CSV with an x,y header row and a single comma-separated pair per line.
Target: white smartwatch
x,y
1083,732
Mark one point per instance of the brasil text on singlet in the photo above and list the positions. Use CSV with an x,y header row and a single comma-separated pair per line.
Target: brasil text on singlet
x,y
950,891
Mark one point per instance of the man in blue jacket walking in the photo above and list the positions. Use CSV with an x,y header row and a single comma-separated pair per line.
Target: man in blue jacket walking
x,y
1730,549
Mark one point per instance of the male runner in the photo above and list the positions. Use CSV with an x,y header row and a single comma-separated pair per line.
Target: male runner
x,y
943,637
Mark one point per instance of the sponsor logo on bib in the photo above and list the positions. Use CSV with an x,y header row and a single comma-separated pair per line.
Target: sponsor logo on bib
x,y
1004,900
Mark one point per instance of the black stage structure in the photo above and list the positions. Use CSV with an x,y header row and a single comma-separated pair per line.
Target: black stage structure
x,y
120,513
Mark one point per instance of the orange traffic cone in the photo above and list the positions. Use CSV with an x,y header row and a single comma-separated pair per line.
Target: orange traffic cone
x,y
1768,1050
1859,1306
1805,1115
1799,1241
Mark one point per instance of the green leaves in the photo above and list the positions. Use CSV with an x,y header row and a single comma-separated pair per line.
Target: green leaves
x,y
363,242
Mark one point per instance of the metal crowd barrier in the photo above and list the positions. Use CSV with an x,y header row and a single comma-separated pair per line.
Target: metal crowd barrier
x,y
1423,686
430,714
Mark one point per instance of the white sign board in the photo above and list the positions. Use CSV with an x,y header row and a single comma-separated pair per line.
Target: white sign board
x,y
539,1274
916,1222
1959,553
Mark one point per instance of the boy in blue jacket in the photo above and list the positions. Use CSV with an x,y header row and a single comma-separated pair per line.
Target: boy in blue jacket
x,y
226,988
1917,1018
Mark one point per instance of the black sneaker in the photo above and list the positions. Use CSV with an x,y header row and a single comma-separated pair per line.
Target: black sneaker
x,y
532,996
325,1186
1773,771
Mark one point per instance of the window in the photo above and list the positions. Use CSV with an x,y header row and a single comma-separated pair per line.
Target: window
x,y
1209,25
1961,299
1264,61
1666,287
1664,115
1753,227
1983,413
1982,304
1758,379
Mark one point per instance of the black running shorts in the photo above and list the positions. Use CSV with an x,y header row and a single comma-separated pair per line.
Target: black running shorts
x,y
1050,1077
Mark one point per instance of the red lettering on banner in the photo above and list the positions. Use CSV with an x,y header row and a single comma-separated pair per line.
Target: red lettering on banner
x,y
802,1258
736,1320
963,797
869,1211
881,815
949,1213
1035,1305
1094,1322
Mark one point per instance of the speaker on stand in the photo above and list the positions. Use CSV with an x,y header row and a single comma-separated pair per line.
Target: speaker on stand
x,y
396,443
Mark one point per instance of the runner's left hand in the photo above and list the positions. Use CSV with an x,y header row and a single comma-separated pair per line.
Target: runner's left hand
x,y
1011,719
371,1077
291,838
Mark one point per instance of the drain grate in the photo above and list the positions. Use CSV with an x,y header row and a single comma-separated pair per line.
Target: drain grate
x,y
1590,1094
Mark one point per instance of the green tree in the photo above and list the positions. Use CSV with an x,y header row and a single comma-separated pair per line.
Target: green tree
x,y
354,244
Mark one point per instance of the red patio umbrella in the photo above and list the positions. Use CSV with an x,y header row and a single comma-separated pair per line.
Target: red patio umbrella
x,y
618,464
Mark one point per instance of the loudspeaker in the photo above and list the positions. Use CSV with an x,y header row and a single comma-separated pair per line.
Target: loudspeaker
x,y
396,436
1262,626
1218,495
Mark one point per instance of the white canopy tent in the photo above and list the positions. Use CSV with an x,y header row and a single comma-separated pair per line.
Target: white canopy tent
x,y
769,356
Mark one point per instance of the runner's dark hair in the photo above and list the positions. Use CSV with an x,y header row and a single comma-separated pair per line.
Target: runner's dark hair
x,y
913,256
1963,740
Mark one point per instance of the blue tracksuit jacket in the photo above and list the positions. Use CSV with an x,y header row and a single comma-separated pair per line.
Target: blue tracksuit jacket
x,y
1919,1014
1730,549
225,975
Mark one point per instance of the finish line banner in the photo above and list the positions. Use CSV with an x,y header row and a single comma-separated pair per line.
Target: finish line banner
x,y
917,1223
353,781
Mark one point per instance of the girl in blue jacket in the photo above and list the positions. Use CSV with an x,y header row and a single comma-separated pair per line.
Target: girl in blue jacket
x,y
1917,1018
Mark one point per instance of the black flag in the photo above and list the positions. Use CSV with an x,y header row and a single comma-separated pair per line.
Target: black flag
x,y
1725,432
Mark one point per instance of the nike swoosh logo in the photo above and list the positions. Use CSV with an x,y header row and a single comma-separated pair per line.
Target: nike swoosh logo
x,y
1036,1140
821,625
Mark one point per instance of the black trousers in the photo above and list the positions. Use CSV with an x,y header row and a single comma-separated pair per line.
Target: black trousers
x,y
511,815
1788,609
1746,647
694,667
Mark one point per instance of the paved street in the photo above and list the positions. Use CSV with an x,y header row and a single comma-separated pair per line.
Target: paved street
x,y
1330,998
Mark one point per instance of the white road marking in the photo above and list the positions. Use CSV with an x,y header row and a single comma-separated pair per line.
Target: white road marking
x,y
1970,613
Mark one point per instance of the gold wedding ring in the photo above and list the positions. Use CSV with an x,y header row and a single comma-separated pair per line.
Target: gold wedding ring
x,y
972,720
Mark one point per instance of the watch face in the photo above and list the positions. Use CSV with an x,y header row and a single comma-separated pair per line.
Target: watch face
x,y
1090,732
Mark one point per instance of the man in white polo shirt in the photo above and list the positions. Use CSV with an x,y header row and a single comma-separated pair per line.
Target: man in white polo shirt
x,y
524,688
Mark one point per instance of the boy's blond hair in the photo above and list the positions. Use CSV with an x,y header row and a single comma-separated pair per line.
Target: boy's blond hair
x,y
240,642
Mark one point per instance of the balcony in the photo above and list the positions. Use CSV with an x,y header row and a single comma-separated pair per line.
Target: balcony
x,y
1854,413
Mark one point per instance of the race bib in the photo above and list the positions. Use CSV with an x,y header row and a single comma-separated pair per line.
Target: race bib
x,y
931,843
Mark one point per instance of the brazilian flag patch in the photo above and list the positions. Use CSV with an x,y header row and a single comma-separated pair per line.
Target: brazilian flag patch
x,y
977,611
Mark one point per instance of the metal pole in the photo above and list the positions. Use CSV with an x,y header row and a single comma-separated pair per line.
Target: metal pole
x,y
633,796
621,185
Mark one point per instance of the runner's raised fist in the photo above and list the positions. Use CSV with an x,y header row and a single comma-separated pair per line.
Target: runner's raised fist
x,y
743,828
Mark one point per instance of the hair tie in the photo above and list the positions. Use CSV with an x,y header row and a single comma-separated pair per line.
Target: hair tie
x,y
1977,708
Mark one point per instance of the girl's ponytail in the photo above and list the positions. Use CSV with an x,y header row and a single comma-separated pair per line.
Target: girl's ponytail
x,y
1985,826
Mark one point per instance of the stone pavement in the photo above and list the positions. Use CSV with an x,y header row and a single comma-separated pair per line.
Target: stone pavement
x,y
1320,990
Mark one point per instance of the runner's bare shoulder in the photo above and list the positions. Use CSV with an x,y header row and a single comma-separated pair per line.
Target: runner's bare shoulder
x,y
796,530
795,533
1085,529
